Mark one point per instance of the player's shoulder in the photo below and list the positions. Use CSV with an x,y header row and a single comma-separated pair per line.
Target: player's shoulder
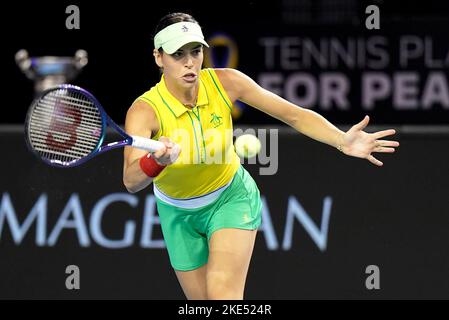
x,y
216,72
218,75
140,108
227,75
230,79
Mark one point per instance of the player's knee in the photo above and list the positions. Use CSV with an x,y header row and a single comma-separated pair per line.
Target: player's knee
x,y
223,287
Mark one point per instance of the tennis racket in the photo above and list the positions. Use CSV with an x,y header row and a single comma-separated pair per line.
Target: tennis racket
x,y
66,125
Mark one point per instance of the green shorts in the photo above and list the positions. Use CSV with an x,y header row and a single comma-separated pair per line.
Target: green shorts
x,y
187,231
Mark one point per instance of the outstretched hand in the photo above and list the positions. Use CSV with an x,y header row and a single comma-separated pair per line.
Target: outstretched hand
x,y
360,144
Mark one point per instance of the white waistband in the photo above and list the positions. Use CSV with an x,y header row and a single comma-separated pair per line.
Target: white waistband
x,y
190,203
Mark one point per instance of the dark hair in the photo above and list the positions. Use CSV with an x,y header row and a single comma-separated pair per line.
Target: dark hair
x,y
172,18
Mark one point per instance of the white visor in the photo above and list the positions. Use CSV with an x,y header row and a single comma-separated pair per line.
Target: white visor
x,y
178,34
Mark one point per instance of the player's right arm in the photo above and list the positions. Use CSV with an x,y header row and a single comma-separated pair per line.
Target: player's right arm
x,y
141,121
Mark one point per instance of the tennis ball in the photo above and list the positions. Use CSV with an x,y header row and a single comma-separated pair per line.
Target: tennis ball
x,y
247,145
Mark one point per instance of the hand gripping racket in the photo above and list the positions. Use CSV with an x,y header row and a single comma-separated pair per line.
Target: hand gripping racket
x,y
66,125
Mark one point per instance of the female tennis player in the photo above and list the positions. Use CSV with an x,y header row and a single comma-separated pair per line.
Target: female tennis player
x,y
210,210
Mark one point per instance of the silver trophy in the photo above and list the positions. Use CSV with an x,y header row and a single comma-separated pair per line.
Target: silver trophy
x,y
50,71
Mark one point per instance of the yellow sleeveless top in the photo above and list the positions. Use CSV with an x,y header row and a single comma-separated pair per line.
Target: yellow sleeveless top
x,y
208,159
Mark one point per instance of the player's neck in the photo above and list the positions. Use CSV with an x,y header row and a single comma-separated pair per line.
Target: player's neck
x,y
188,97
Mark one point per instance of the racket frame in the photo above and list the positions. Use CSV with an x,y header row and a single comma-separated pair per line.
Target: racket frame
x,y
105,122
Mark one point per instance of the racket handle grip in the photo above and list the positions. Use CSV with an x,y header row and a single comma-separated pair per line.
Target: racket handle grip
x,y
146,144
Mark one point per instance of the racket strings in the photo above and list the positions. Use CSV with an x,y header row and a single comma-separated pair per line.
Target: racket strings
x,y
64,126
45,106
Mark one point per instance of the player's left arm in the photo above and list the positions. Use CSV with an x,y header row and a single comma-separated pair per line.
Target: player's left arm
x,y
355,142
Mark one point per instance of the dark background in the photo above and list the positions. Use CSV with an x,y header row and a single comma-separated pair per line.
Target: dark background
x,y
118,39
395,217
